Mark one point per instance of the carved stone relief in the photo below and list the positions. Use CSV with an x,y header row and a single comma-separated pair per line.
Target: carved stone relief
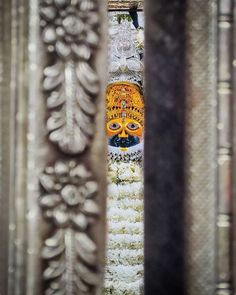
x,y
70,32
49,212
68,204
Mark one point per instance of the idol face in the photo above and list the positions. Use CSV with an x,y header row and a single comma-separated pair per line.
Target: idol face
x,y
124,132
124,127
125,110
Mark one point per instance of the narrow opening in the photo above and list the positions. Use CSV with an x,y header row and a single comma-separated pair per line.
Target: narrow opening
x,y
125,132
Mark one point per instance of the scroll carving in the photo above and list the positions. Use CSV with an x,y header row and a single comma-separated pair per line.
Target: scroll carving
x,y
68,203
70,34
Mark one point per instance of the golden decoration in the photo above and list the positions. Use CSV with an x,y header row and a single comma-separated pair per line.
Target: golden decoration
x,y
124,100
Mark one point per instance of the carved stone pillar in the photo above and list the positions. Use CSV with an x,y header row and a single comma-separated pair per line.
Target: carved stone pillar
x,y
53,146
53,172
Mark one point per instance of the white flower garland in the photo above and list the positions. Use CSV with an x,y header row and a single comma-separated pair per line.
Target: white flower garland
x,y
123,173
124,270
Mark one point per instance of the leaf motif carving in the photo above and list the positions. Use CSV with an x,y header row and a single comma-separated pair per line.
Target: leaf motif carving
x,y
72,267
70,94
69,30
70,33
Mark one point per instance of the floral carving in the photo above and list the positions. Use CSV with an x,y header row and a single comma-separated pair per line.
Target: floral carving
x,y
69,31
70,35
71,254
70,27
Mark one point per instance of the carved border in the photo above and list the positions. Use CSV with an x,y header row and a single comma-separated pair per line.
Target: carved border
x,y
71,32
69,251
233,106
13,119
225,147
201,147
4,129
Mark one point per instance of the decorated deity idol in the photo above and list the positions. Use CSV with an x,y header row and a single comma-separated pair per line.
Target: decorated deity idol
x,y
125,131
125,111
124,98
125,121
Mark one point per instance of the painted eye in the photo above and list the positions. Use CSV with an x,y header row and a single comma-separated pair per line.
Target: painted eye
x,y
114,126
133,126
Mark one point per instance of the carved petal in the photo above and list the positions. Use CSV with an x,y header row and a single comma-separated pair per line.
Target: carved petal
x,y
81,51
54,70
90,207
55,291
80,221
51,82
61,218
73,25
87,5
85,102
55,99
88,257
48,13
81,285
49,35
71,144
71,195
91,188
87,77
68,144
61,168
55,121
56,285
63,49
54,271
47,182
51,252
80,171
61,3
55,240
92,38
85,242
50,201
78,144
88,275
85,122
56,135
93,19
